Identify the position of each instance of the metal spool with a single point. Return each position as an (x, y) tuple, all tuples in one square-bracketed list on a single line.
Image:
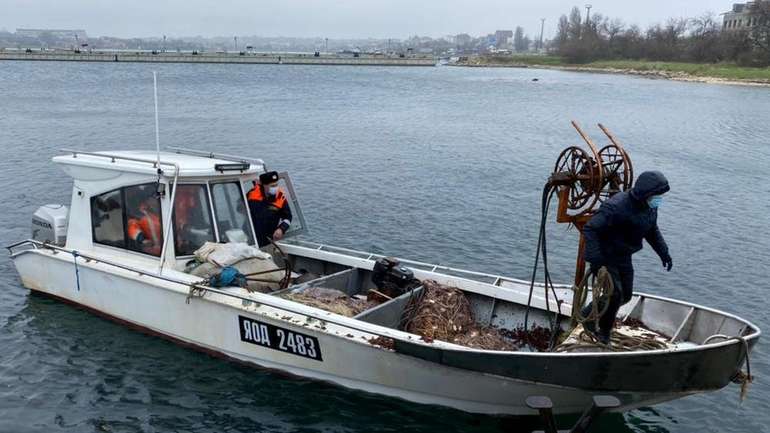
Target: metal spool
[(616, 169), (581, 175)]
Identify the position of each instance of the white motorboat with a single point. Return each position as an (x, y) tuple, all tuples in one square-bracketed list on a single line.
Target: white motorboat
[(82, 255)]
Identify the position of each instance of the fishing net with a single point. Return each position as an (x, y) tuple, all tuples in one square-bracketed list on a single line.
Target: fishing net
[(330, 300), (444, 313), (484, 337), (438, 312)]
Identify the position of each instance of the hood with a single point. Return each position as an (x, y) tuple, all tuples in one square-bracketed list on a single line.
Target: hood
[(648, 184)]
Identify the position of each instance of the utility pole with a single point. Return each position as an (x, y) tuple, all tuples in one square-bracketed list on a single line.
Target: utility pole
[(542, 26), (163, 48), (235, 38), (588, 13), (388, 45), (326, 45)]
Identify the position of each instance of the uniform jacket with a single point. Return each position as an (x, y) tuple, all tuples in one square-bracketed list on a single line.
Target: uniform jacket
[(268, 214), (616, 231)]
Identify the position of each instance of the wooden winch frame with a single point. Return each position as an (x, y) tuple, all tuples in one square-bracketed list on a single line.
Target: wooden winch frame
[(585, 180)]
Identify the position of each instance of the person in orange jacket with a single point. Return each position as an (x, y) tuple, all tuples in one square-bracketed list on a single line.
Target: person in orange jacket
[(269, 208), (145, 229)]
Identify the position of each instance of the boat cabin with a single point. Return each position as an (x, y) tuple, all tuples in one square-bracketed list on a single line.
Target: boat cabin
[(161, 207)]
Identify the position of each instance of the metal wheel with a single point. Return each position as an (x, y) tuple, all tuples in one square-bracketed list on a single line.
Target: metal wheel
[(616, 168), (287, 268), (585, 178)]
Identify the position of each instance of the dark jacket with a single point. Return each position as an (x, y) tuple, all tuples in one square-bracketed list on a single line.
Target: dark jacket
[(616, 231), (268, 214)]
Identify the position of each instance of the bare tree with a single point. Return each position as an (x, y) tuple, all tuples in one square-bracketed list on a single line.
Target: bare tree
[(700, 39), (575, 24), (613, 28), (562, 31), (704, 39), (760, 31), (518, 40)]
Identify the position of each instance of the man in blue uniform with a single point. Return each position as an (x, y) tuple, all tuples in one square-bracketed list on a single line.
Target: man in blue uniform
[(615, 233)]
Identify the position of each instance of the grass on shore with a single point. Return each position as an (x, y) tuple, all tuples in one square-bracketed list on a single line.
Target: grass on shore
[(727, 71)]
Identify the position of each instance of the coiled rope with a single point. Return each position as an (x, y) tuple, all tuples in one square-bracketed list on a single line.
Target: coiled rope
[(602, 290)]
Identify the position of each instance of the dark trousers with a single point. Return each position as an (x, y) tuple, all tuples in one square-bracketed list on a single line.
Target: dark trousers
[(622, 273)]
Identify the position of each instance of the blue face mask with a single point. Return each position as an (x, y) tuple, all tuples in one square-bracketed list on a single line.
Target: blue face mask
[(655, 201)]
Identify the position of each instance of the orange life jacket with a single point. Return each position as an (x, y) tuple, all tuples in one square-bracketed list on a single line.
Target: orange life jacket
[(256, 195), (150, 226), (186, 200)]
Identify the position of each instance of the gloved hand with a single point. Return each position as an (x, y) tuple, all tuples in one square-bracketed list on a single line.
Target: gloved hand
[(668, 263)]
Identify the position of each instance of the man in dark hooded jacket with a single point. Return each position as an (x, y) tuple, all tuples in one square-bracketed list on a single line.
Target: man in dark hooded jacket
[(615, 233)]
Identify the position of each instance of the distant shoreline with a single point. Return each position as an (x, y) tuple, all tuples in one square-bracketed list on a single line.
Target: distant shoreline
[(217, 57), (660, 70)]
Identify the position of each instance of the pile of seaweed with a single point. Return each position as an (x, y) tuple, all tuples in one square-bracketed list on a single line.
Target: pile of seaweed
[(330, 300), (442, 312), (538, 337)]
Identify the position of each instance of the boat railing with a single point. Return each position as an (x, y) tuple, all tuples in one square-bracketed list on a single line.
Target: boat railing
[(222, 156), (482, 277), (115, 157), (349, 323)]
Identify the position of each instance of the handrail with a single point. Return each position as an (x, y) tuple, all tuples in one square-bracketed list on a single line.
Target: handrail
[(433, 267), (114, 157), (212, 155)]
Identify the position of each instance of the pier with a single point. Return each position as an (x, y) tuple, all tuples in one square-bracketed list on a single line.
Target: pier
[(217, 57)]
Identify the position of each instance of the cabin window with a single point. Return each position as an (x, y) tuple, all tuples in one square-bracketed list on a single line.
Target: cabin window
[(107, 222), (230, 213), (192, 219), (129, 218)]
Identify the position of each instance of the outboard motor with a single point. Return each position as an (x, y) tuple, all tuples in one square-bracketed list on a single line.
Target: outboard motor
[(49, 224), (391, 278)]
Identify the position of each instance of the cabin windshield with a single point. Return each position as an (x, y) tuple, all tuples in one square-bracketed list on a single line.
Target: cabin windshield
[(192, 219), (231, 213), (209, 213)]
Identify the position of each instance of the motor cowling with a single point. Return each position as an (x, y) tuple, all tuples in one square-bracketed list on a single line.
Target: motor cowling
[(391, 278), (49, 224)]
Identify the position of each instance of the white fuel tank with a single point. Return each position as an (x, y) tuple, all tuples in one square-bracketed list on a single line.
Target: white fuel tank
[(49, 224)]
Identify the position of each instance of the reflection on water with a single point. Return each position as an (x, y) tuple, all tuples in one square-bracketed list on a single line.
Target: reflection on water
[(442, 165)]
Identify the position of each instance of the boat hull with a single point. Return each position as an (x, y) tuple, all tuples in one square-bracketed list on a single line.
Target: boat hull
[(213, 324)]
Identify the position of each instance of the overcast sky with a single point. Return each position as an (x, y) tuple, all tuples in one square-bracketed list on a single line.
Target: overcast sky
[(325, 18)]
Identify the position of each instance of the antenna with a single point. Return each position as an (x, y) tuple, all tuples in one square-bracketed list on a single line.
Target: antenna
[(157, 131)]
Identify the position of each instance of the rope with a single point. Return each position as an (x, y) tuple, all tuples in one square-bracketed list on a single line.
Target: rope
[(618, 343), (740, 378), (75, 256), (548, 192), (602, 287), (196, 290)]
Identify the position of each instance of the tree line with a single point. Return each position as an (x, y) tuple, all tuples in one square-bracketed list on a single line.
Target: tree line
[(700, 40)]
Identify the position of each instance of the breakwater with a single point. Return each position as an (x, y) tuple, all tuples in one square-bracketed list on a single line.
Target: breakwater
[(219, 57)]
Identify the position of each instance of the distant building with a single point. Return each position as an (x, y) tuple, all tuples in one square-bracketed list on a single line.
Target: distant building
[(502, 37), (58, 33), (743, 16)]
